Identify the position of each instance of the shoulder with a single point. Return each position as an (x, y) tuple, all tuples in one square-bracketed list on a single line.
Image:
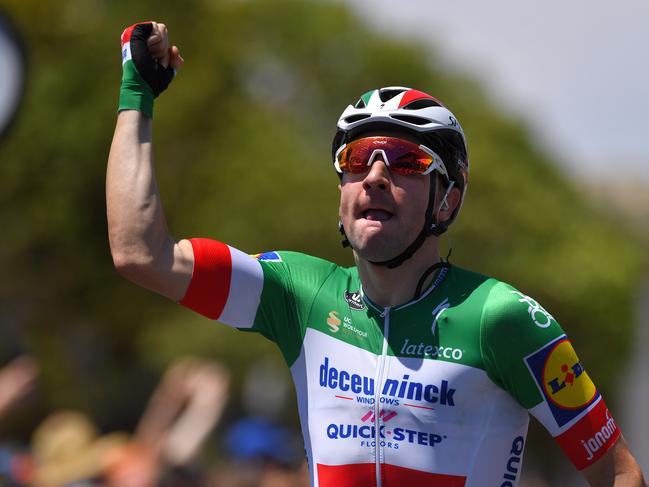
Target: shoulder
[(514, 325), (300, 267), (291, 258), (471, 289), (501, 308), (507, 304)]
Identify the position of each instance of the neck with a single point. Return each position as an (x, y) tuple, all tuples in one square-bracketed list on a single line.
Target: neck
[(391, 287)]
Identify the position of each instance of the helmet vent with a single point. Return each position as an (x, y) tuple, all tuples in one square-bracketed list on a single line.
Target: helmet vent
[(421, 103), (356, 118), (411, 119), (387, 94), (360, 103)]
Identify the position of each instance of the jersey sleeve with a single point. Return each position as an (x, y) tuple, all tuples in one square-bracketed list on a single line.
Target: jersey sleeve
[(268, 293), (527, 353)]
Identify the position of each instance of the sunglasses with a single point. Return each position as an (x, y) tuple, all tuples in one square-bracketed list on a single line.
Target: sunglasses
[(401, 156)]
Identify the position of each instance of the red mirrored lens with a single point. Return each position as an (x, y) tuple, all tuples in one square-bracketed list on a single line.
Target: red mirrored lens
[(401, 156)]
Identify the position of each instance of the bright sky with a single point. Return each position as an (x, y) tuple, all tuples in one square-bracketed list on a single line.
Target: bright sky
[(577, 71)]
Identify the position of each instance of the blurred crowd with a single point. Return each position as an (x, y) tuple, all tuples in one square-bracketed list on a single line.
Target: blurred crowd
[(68, 449)]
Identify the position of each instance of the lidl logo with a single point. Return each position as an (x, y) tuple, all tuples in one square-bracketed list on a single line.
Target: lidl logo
[(562, 380), (566, 382), (268, 257), (333, 321)]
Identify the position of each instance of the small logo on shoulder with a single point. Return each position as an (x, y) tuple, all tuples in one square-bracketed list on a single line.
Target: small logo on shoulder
[(268, 257), (354, 300), (540, 316)]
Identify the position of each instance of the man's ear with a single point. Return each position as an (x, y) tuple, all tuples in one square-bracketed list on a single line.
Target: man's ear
[(448, 206)]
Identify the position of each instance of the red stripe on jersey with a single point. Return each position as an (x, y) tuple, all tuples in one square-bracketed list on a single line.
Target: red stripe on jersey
[(412, 95), (210, 285), (346, 475), (590, 437), (353, 475), (126, 35)]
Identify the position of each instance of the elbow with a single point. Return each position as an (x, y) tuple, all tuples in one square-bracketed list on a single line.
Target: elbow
[(131, 265), (131, 257)]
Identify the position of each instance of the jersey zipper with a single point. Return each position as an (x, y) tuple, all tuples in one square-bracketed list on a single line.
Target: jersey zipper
[(377, 395)]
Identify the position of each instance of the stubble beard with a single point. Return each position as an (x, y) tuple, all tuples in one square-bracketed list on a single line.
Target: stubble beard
[(375, 245)]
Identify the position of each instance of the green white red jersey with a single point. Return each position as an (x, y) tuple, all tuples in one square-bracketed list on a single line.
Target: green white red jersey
[(436, 391)]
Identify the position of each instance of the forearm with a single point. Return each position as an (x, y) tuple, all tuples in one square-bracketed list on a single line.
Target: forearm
[(137, 228), (621, 479), (183, 409), (207, 393), (617, 468), (628, 474), (629, 479)]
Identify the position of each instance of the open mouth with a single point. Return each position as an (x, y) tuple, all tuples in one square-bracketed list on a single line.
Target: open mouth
[(376, 214)]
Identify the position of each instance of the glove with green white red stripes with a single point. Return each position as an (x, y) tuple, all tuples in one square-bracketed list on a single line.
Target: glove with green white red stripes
[(143, 76)]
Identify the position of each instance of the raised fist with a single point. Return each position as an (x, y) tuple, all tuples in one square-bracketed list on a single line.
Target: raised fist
[(146, 46), (158, 43)]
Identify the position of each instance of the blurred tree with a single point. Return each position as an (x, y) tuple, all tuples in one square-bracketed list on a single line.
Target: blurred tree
[(243, 147)]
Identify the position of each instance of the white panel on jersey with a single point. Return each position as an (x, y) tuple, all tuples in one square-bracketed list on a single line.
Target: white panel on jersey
[(300, 379), (246, 284), (462, 424)]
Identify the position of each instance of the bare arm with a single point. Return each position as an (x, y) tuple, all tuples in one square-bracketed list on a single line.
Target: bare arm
[(184, 408), (17, 379), (617, 468), (140, 243)]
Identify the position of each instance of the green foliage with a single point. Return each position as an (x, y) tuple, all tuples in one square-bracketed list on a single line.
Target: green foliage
[(243, 148)]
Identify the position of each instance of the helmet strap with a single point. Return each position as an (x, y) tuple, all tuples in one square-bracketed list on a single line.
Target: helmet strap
[(345, 242)]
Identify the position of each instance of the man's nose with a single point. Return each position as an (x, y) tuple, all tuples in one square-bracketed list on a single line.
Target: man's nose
[(378, 176)]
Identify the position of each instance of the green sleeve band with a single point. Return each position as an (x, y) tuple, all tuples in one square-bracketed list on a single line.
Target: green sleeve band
[(135, 93)]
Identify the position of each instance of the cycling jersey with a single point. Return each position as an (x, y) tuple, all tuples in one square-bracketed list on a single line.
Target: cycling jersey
[(433, 392)]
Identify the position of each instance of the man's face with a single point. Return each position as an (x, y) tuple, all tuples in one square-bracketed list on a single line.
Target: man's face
[(382, 212)]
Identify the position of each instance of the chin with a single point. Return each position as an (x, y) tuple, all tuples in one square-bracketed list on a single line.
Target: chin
[(375, 241), (374, 249)]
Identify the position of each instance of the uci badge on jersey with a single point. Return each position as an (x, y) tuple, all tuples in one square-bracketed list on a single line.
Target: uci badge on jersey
[(268, 257), (562, 380)]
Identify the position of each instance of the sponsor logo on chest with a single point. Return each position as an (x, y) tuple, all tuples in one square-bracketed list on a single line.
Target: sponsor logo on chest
[(420, 349), (393, 391), (335, 323), (389, 435), (354, 300)]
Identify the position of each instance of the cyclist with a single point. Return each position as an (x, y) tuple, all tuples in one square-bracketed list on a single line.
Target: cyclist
[(408, 370)]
